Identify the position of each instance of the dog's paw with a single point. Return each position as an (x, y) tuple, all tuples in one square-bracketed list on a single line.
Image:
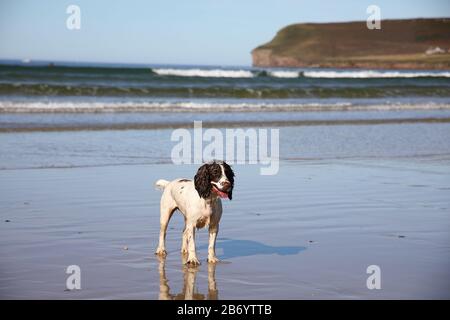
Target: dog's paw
[(161, 252), (213, 259), (193, 262)]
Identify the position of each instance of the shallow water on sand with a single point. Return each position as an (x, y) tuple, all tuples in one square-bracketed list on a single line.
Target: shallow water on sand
[(309, 232), (66, 149)]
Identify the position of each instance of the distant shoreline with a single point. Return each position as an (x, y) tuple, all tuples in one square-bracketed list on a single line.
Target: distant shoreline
[(360, 65)]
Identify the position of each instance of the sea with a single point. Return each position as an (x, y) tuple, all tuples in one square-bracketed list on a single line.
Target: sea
[(73, 114), (40, 94), (72, 88)]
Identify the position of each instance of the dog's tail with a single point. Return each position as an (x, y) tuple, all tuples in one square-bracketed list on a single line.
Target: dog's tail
[(161, 184)]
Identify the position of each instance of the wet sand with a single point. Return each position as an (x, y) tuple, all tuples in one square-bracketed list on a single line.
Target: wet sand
[(309, 232), (374, 115)]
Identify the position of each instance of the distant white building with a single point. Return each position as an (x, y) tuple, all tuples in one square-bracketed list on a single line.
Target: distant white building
[(435, 50)]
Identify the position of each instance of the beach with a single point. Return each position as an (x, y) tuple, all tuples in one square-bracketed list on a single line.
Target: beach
[(362, 182), (374, 195), (299, 149)]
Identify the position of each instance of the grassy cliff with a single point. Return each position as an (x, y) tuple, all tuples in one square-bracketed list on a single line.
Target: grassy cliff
[(401, 44)]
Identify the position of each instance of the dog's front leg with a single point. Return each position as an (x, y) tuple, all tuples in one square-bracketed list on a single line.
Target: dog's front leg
[(184, 242), (190, 238), (213, 230)]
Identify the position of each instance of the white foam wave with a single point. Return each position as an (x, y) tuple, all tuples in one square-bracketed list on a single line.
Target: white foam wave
[(189, 106), (374, 74), (284, 74), (357, 74), (210, 73)]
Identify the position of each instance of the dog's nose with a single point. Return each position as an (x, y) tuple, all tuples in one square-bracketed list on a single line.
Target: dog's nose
[(226, 185)]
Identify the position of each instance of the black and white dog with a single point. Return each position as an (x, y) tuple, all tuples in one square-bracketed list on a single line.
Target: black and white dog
[(199, 202)]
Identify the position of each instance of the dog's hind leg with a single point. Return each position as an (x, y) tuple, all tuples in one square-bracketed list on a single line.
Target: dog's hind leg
[(168, 206)]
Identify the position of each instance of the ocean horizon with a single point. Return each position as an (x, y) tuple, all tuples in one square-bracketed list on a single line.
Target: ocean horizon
[(30, 87)]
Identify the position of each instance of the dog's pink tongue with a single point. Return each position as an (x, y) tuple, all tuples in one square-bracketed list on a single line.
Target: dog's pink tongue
[(221, 194)]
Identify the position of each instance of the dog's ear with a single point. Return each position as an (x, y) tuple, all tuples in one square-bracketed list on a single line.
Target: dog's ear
[(202, 181), (230, 176)]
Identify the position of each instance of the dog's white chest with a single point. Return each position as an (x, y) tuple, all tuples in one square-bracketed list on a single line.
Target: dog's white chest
[(205, 214)]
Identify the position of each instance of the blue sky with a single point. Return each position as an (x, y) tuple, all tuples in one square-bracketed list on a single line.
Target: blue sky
[(205, 32)]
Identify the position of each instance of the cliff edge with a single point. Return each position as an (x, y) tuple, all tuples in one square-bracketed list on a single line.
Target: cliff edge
[(400, 44)]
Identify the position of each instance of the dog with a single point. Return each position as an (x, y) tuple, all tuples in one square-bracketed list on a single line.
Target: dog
[(200, 203)]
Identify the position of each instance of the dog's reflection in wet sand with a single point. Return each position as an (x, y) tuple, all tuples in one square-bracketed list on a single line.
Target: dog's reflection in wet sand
[(189, 291)]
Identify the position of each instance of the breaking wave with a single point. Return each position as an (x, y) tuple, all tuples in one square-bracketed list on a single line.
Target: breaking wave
[(290, 74), (205, 73), (366, 74), (221, 91), (194, 106)]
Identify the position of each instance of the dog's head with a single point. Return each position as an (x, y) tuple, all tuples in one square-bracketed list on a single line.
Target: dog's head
[(217, 177)]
